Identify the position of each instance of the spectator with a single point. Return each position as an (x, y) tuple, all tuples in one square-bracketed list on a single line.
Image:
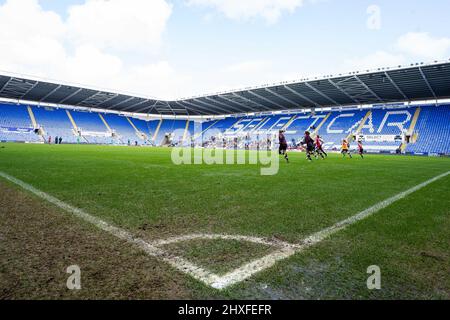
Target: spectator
[(56, 140), (60, 140), (49, 139)]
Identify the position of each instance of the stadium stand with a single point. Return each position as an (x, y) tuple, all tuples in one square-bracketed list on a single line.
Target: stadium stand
[(16, 124), (122, 128), (55, 123), (339, 126), (92, 128), (148, 128), (432, 131), (173, 128), (302, 122), (414, 130), (274, 123)]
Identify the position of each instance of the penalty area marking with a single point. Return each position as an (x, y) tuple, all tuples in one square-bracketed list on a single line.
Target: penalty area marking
[(284, 250)]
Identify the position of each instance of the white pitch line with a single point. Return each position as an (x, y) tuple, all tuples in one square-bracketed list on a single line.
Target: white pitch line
[(237, 275), (208, 236), (177, 262), (263, 263)]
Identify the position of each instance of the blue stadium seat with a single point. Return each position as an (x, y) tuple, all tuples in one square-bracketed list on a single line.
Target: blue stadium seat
[(339, 126), (382, 131), (16, 125), (55, 123), (92, 127), (433, 131), (122, 128)]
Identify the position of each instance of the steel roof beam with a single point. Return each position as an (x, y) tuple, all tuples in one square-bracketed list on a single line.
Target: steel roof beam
[(122, 102), (346, 94), (72, 94), (265, 99), (302, 96), (50, 93), (322, 94), (368, 89), (189, 108), (280, 96), (396, 86), (251, 101), (238, 103), (222, 104), (103, 102), (34, 86), (6, 83), (146, 107), (195, 106), (135, 105), (428, 83), (211, 106)]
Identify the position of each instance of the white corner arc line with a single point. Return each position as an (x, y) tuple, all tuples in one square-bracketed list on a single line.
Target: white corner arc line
[(208, 236), (220, 282), (261, 264)]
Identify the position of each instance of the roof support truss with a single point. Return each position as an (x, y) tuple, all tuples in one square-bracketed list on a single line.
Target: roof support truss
[(50, 93), (70, 96), (233, 99), (227, 106), (280, 96), (395, 85), (368, 89), (215, 108), (357, 90), (205, 109), (122, 102), (97, 99), (302, 96), (135, 105), (34, 86), (428, 83), (17, 88), (251, 101), (265, 99), (322, 94), (343, 91)]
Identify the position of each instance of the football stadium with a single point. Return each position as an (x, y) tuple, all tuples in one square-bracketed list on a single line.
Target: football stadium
[(327, 187)]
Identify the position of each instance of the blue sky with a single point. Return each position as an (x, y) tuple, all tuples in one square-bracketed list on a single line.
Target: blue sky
[(178, 48)]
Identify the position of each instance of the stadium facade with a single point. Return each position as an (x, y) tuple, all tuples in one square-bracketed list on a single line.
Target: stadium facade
[(394, 110)]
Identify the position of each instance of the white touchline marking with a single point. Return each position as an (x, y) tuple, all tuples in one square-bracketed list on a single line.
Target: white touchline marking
[(285, 250), (177, 262), (258, 265)]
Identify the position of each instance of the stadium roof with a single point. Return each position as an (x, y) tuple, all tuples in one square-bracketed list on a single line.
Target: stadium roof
[(384, 85)]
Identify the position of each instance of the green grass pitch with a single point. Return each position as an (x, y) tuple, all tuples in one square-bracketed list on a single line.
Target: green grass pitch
[(141, 190)]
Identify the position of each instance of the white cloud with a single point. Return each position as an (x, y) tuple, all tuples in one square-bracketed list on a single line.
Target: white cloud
[(97, 43), (90, 46), (160, 77), (90, 63), (29, 37), (408, 48), (121, 25), (423, 45), (270, 10)]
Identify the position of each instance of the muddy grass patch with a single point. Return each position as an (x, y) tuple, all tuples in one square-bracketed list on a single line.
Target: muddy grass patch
[(39, 242)]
